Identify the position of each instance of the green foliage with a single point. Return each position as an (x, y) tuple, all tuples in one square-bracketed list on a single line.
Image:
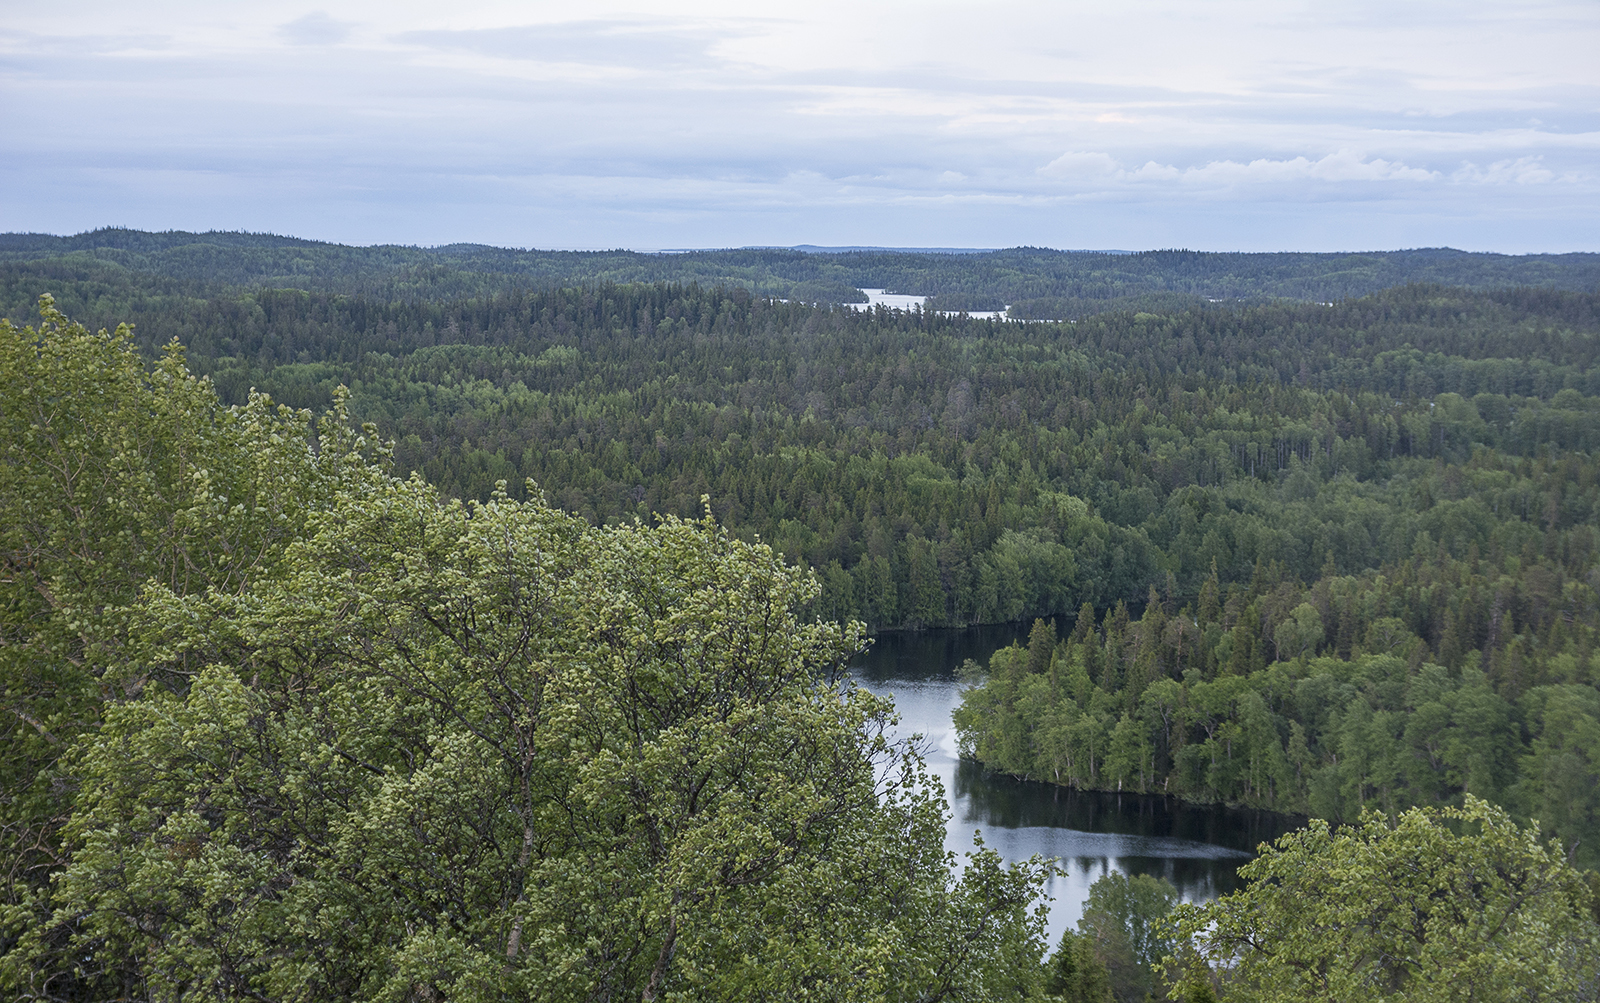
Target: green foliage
[(116, 477), (1075, 973), (1323, 558), (1123, 920), (422, 749), (965, 472), (1414, 684), (1438, 905), (1325, 736)]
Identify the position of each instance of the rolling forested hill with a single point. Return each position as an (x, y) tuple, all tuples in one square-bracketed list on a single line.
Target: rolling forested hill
[(1372, 485), (1314, 533), (128, 265)]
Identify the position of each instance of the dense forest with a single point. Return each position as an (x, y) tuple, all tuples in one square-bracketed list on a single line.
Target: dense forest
[(133, 267), (937, 471), (1314, 555), (282, 726)]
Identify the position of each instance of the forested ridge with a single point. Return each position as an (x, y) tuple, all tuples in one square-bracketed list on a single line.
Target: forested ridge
[(1321, 558), (1034, 282)]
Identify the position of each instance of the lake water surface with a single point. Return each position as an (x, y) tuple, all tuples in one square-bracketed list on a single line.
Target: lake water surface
[(900, 301), (1198, 849)]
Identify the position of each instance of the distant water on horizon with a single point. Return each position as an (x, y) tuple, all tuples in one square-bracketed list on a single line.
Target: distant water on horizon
[(900, 301)]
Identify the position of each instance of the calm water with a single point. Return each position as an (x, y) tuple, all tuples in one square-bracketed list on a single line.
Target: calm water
[(900, 301), (1198, 849)]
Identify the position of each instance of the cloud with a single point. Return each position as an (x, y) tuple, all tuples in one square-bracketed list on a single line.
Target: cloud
[(1522, 171), (821, 122), (634, 44), (316, 28), (1085, 166), (1335, 168)]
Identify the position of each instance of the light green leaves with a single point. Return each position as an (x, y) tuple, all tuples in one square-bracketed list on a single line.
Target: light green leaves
[(1442, 905)]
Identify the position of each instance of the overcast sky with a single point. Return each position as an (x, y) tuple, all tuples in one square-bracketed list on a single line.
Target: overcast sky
[(1212, 125)]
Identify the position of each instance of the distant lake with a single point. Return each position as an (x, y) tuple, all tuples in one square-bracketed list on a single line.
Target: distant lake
[(1198, 849), (898, 301)]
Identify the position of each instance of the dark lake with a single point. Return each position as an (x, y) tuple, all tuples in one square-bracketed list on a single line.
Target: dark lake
[(1197, 848)]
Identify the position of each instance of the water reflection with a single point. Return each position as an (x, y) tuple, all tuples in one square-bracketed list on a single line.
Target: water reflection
[(1141, 820), (934, 655), (1197, 848)]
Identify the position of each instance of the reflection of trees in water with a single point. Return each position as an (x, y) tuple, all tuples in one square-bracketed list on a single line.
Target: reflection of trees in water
[(928, 655), (1197, 878), (1001, 801), (995, 800), (1013, 804)]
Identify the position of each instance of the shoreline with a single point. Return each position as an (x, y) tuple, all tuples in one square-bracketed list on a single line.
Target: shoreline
[(1302, 818)]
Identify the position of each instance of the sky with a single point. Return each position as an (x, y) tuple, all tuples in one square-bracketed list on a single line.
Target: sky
[(1206, 124)]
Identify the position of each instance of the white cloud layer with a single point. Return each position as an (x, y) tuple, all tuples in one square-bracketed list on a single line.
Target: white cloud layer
[(1102, 172), (1256, 125)]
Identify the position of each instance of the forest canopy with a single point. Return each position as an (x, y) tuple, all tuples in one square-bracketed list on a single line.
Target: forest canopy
[(1036, 282), (1437, 906), (284, 726), (1326, 547)]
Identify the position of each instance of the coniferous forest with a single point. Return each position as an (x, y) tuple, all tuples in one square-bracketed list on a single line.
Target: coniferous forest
[(462, 678)]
